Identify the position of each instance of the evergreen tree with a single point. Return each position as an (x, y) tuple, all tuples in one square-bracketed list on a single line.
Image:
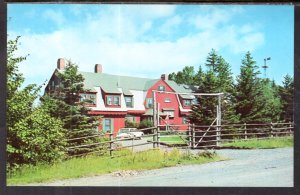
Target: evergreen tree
[(32, 135), (286, 93), (204, 112), (273, 106), (215, 80), (212, 60), (225, 85), (249, 96), (186, 76), (199, 77), (65, 104)]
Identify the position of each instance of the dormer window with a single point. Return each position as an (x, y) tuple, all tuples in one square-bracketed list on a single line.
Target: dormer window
[(88, 98), (161, 88), (187, 103), (113, 100), (129, 101)]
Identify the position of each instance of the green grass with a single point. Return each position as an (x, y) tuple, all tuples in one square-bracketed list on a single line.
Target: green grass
[(172, 140), (97, 165), (279, 142)]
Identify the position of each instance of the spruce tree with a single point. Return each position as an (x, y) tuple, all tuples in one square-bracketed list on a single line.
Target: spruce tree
[(216, 80), (250, 102), (273, 106), (226, 85), (204, 112), (65, 104), (212, 60), (286, 93)]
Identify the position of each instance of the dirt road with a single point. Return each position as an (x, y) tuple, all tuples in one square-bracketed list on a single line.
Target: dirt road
[(259, 168)]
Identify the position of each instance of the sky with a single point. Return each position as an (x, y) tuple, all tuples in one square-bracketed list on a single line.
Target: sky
[(150, 40)]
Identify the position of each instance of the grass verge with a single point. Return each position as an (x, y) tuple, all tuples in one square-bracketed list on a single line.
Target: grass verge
[(97, 165), (172, 140), (279, 142)]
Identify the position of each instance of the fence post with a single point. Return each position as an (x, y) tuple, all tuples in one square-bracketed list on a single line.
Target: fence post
[(193, 136), (245, 128), (290, 129), (190, 135), (158, 135), (271, 129), (154, 136), (110, 143)]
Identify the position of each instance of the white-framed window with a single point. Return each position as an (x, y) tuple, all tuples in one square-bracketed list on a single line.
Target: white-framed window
[(107, 125), (187, 102), (129, 101), (167, 100), (88, 98), (113, 100), (93, 98), (185, 120), (130, 118), (161, 88), (116, 100), (170, 113), (149, 103), (195, 101)]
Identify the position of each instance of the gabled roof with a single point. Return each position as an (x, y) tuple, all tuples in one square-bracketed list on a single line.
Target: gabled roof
[(182, 88), (110, 83)]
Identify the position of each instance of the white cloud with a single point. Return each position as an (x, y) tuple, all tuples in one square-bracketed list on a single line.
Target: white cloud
[(171, 24), (212, 17), (112, 37), (55, 16)]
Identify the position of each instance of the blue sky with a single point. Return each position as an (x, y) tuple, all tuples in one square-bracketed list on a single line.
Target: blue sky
[(149, 40)]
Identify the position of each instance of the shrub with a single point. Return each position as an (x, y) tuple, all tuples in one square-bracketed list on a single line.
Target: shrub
[(130, 124), (36, 138), (146, 124)]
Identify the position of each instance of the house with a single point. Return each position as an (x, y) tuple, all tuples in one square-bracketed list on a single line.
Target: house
[(118, 98)]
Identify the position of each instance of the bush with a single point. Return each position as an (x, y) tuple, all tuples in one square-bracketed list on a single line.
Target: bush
[(35, 139), (145, 124), (130, 124)]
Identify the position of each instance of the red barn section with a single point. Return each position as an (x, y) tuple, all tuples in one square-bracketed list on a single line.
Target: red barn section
[(168, 104)]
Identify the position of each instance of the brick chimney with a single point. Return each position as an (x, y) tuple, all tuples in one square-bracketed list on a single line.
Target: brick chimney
[(61, 63), (164, 77), (98, 68)]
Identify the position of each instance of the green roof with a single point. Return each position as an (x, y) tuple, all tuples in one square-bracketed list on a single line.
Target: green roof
[(181, 88), (111, 83)]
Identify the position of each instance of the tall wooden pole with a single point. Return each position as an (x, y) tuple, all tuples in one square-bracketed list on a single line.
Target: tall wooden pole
[(219, 117), (154, 109), (157, 113)]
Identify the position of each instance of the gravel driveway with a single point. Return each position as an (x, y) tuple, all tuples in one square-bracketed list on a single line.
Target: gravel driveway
[(251, 168)]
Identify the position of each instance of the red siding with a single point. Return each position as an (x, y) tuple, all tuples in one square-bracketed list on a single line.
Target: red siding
[(174, 104), (118, 122)]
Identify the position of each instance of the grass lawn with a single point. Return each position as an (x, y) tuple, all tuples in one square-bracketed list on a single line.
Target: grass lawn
[(173, 139), (97, 165), (279, 142)]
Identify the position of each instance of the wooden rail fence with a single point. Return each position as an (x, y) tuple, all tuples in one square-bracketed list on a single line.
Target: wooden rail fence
[(193, 136)]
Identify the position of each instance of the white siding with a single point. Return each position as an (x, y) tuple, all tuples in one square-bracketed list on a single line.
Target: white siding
[(138, 101)]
